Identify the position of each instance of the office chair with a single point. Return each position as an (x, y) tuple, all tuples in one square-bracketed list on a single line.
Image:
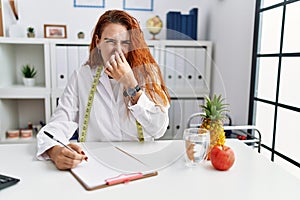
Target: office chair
[(249, 134)]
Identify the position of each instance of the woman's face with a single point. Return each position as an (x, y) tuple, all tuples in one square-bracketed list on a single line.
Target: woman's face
[(115, 37)]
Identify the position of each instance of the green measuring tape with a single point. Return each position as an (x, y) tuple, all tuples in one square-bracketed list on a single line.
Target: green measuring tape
[(140, 131), (89, 106)]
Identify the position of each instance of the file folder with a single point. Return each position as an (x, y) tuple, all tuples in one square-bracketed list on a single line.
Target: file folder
[(109, 166)]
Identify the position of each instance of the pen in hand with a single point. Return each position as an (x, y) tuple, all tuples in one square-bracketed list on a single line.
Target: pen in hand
[(53, 138)]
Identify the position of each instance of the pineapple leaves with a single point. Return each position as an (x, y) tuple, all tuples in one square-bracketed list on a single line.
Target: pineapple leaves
[(215, 108)]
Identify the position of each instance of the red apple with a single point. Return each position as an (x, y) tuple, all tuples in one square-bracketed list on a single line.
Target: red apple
[(222, 157)]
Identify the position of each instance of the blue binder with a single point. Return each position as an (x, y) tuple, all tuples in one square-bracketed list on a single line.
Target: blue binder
[(182, 27)]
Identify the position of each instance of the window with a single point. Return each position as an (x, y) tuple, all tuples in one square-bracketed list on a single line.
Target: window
[(275, 93)]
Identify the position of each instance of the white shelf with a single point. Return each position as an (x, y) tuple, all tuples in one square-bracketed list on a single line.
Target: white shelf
[(18, 140), (192, 94), (24, 92), (9, 40)]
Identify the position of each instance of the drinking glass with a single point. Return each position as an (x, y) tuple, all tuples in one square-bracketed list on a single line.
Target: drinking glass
[(197, 141)]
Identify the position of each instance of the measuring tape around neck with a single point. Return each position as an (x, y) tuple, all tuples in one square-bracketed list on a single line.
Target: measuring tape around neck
[(89, 104), (89, 107)]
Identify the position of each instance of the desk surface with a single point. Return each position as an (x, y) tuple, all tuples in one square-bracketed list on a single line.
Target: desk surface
[(251, 177)]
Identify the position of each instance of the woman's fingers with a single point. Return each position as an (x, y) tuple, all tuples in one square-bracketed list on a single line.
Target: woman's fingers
[(112, 61), (79, 151), (122, 56), (118, 58), (108, 69)]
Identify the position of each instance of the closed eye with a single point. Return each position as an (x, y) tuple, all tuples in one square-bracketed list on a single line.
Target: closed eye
[(126, 42), (109, 40)]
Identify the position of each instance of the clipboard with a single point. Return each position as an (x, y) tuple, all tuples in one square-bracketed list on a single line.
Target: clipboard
[(102, 169)]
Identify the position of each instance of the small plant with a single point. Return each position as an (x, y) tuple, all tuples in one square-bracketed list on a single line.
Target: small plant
[(28, 71), (30, 32), (80, 35), (30, 29)]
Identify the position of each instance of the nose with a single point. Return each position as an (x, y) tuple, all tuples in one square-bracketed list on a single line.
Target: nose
[(118, 47)]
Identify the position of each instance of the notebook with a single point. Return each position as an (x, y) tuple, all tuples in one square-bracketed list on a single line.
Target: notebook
[(108, 165)]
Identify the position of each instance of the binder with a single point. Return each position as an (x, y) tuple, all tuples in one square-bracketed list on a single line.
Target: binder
[(200, 62), (61, 66), (73, 61), (83, 52), (178, 121), (170, 25), (170, 130), (194, 23), (170, 58), (179, 68), (191, 68), (177, 31), (173, 25), (108, 166), (183, 29)]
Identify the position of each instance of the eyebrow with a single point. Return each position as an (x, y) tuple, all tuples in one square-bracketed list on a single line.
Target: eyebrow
[(113, 40)]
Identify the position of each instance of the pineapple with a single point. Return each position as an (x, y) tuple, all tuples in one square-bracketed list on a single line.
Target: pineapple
[(214, 109)]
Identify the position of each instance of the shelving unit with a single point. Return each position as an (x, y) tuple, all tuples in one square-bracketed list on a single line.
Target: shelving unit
[(20, 104), (186, 67)]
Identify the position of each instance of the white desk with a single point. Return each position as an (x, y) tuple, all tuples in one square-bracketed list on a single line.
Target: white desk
[(251, 177)]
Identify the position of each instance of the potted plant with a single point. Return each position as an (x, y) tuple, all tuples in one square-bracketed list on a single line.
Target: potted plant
[(30, 32), (29, 74), (80, 35)]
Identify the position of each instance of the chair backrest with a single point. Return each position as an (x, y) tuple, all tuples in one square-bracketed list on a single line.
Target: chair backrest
[(241, 132), (195, 120)]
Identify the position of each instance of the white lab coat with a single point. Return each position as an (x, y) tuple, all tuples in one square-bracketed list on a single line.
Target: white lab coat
[(110, 119)]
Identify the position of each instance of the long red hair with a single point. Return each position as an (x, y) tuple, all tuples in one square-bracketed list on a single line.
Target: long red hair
[(145, 68)]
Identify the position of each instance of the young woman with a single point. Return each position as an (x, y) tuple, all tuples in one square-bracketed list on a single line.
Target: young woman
[(119, 95)]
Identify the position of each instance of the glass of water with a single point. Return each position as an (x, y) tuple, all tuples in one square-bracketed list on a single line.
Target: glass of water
[(197, 141)]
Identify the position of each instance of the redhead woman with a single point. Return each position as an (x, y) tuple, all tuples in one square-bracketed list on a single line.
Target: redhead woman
[(118, 95)]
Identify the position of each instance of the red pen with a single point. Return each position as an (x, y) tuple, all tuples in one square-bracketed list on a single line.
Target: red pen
[(123, 178)]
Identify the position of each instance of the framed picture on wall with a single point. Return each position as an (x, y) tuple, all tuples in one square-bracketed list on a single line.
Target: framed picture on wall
[(142, 5), (89, 3), (55, 31)]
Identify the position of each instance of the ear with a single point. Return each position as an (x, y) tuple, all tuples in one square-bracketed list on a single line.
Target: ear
[(97, 41)]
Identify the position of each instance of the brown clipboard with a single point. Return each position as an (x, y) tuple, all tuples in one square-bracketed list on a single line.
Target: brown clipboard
[(107, 185), (104, 171)]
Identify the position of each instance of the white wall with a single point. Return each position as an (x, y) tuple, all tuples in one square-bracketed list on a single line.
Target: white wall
[(231, 25), (36, 13), (228, 23)]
